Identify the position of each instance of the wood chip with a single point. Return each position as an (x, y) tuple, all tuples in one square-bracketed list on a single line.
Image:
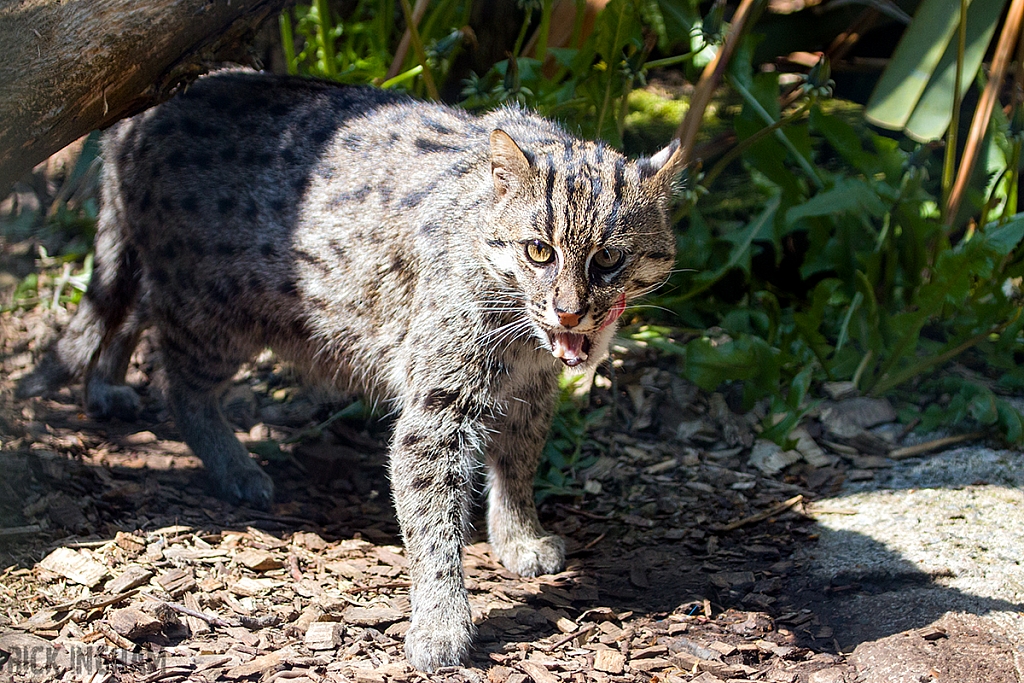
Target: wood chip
[(133, 623), (133, 577), (260, 665), (324, 635), (372, 616), (258, 560), (649, 664), (74, 565), (609, 661), (177, 581), (538, 672), (196, 625)]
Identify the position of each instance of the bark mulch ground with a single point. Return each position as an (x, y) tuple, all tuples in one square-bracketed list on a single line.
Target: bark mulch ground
[(117, 565)]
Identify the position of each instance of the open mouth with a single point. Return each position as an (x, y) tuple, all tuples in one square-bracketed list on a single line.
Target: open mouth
[(574, 349), (571, 349)]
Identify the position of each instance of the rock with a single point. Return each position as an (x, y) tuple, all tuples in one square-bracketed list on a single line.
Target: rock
[(831, 675)]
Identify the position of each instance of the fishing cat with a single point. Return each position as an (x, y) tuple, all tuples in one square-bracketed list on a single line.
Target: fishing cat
[(451, 264)]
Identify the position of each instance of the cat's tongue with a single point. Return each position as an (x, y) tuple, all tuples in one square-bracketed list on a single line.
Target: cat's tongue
[(615, 311), (568, 348)]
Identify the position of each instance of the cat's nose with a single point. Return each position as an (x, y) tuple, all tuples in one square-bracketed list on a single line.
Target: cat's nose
[(567, 319)]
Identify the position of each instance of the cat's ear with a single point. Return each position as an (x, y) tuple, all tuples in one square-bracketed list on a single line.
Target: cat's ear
[(662, 169), (509, 165)]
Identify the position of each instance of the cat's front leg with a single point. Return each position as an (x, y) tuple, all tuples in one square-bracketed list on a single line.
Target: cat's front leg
[(432, 466), (517, 440)]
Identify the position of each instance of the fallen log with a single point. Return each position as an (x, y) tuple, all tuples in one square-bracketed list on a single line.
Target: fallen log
[(67, 68)]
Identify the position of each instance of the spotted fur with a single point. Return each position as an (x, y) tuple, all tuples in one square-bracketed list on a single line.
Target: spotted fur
[(384, 244)]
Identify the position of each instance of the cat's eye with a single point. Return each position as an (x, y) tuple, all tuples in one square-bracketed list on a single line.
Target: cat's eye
[(540, 253), (608, 259)]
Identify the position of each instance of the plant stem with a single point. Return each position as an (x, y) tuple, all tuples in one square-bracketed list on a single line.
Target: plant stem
[(949, 160), (402, 77), (417, 46), (751, 101), (541, 51), (288, 41), (323, 36), (743, 146), (522, 33), (885, 383)]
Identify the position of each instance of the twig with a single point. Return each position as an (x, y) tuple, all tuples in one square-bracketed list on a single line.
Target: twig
[(918, 449), (7, 532), (711, 77), (114, 637), (761, 516), (212, 621), (594, 542), (390, 584), (983, 114), (584, 513), (403, 47)]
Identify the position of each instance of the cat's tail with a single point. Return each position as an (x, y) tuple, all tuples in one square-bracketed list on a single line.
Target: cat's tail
[(103, 332)]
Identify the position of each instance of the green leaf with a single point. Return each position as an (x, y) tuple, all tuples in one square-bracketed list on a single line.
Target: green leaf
[(914, 62), (852, 195), (1010, 421), (934, 110), (1003, 239)]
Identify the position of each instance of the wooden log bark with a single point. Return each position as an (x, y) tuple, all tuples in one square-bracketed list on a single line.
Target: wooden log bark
[(68, 67)]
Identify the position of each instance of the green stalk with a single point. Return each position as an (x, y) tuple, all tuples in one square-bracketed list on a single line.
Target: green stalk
[(750, 100), (421, 55), (541, 51), (949, 159), (522, 33), (671, 61), (742, 147), (288, 41), (1013, 181), (611, 76), (885, 383), (323, 13), (402, 77)]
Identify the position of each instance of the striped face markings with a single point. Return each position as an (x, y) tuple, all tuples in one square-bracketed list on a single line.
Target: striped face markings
[(574, 225)]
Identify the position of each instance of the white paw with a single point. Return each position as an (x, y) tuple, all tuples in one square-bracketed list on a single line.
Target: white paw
[(533, 556), (430, 645)]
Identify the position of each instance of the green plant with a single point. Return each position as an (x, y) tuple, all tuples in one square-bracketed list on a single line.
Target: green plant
[(847, 273), (565, 453)]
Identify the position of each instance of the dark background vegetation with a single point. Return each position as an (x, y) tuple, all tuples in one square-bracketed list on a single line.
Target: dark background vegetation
[(815, 248)]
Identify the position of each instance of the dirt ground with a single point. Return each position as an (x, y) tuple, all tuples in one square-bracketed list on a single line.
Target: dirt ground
[(689, 550)]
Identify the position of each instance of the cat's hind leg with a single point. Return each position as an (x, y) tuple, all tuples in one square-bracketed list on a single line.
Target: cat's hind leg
[(102, 335), (194, 386)]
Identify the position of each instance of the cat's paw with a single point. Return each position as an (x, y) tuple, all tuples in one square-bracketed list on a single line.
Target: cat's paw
[(533, 556), (106, 401), (245, 482), (49, 375), (432, 644)]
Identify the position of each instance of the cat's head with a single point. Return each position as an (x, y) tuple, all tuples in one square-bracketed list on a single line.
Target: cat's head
[(578, 231)]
